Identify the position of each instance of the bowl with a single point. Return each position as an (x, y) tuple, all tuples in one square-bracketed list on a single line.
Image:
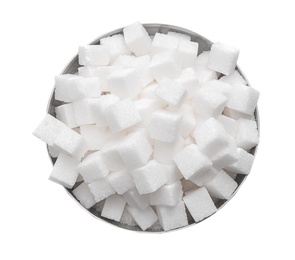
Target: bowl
[(152, 29)]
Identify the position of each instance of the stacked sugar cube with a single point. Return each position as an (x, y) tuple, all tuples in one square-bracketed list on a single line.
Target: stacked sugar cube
[(150, 129)]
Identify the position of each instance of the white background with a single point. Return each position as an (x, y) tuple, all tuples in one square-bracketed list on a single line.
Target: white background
[(40, 221)]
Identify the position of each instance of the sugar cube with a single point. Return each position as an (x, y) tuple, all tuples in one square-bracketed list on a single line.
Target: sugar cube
[(187, 53), (223, 58), (165, 64), (243, 99), (247, 134), (204, 177), (208, 103), (244, 163), (95, 137), (116, 45), (113, 207), (167, 195), (170, 91), (234, 78), (144, 218), (191, 162), (221, 186), (150, 177), (172, 217), (211, 136), (204, 74), (137, 39), (146, 107), (173, 174), (122, 115), (65, 114), (83, 111), (101, 189), (94, 55), (163, 42), (135, 150), (93, 167), (179, 36), (65, 171), (121, 181), (230, 125), (83, 194), (165, 126), (188, 78), (199, 203)]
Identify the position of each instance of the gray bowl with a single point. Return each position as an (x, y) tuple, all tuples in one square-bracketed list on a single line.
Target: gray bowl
[(72, 68)]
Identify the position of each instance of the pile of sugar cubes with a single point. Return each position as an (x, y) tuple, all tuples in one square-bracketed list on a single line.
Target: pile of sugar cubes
[(151, 131)]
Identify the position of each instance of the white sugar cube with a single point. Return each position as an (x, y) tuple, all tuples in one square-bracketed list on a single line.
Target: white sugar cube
[(167, 195), (136, 200), (99, 107), (204, 74), (60, 136), (95, 137), (135, 150), (204, 177), (150, 177), (226, 156), (165, 64), (223, 58), (83, 194), (137, 39), (144, 218), (65, 114), (244, 163), (230, 125), (66, 87), (163, 42), (93, 167), (179, 36), (94, 55), (124, 83), (65, 171), (234, 78), (113, 207), (189, 140), (188, 121), (243, 99), (124, 60), (187, 53), (247, 134), (199, 204), (208, 103), (165, 126), (170, 91), (122, 115), (121, 181), (172, 217), (188, 78), (99, 72), (142, 68), (211, 136), (111, 155), (164, 152), (221, 186), (146, 107), (83, 111), (173, 174), (101, 189), (191, 162), (117, 46)]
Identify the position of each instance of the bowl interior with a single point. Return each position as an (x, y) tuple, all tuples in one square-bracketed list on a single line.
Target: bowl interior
[(152, 29)]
